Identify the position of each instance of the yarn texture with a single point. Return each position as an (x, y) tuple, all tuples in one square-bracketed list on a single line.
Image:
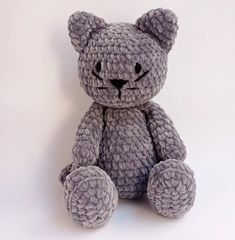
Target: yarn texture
[(126, 145)]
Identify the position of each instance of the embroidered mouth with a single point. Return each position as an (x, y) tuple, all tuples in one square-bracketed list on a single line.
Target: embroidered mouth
[(102, 87), (138, 79), (119, 89)]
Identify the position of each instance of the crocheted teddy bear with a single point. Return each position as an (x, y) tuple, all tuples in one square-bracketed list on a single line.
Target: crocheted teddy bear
[(126, 145)]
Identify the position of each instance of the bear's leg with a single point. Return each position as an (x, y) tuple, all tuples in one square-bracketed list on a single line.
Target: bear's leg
[(171, 188), (90, 196)]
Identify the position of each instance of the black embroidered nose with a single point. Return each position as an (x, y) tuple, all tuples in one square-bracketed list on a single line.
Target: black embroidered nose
[(118, 83)]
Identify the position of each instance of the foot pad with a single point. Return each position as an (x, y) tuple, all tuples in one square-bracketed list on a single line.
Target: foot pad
[(171, 188), (90, 196)]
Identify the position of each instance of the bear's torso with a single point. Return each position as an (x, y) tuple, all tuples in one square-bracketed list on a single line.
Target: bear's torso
[(126, 150)]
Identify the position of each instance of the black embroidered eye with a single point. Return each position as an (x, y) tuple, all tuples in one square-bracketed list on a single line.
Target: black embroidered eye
[(98, 66), (137, 68)]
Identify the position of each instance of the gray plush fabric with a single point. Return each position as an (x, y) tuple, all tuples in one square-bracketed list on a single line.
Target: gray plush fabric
[(90, 196), (171, 188), (125, 145)]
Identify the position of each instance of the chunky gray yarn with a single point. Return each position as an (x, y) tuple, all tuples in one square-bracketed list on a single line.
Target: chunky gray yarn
[(171, 188), (90, 196), (125, 146)]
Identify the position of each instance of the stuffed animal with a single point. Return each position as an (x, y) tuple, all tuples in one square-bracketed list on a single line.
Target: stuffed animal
[(126, 145)]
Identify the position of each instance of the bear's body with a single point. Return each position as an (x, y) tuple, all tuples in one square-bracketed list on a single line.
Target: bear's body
[(126, 150), (125, 145)]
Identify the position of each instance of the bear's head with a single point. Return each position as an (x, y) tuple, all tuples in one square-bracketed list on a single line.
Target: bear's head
[(123, 65)]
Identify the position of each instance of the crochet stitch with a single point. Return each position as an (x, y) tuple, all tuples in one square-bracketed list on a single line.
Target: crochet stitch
[(125, 146)]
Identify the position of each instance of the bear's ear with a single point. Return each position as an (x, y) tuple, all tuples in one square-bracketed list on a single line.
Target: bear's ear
[(81, 26), (160, 24)]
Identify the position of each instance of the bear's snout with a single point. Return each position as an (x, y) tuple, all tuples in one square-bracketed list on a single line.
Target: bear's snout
[(118, 83)]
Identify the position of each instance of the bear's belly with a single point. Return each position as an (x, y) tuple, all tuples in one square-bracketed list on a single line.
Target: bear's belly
[(126, 151)]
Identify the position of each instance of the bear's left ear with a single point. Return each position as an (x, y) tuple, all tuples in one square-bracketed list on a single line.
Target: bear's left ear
[(81, 26), (160, 24)]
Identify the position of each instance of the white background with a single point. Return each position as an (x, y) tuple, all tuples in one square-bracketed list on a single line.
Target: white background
[(41, 104)]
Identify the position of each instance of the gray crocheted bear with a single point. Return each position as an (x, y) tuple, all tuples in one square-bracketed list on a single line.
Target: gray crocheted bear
[(126, 146)]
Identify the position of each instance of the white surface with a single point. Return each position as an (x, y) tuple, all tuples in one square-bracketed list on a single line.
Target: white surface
[(41, 104)]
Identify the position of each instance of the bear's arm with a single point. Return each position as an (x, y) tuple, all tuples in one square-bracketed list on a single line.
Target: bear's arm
[(88, 136), (87, 140), (166, 139)]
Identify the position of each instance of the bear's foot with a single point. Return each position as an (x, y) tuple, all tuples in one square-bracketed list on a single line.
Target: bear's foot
[(90, 196), (171, 188)]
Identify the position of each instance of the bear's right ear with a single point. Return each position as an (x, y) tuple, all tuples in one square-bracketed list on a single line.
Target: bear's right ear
[(161, 24), (81, 25)]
